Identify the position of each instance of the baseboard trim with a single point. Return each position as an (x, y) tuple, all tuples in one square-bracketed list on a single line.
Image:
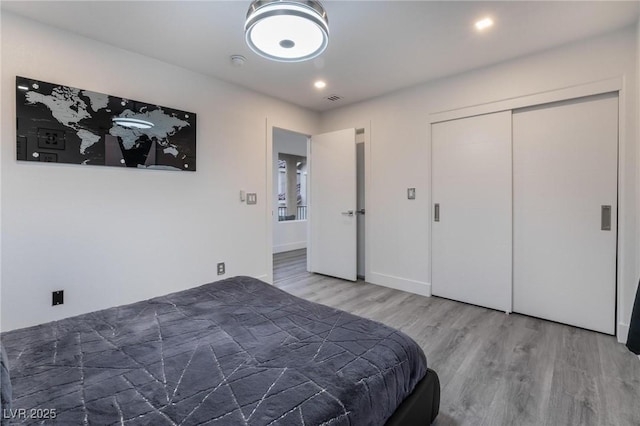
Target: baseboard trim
[(623, 332), (288, 247), (404, 284)]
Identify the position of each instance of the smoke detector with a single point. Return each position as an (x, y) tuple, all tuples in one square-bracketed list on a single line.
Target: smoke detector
[(238, 60)]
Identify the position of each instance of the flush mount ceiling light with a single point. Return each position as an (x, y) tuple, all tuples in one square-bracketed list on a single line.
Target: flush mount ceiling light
[(483, 24), (287, 30), (132, 123)]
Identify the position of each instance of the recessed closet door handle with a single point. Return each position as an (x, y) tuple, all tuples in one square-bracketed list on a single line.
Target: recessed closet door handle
[(436, 212), (348, 213), (605, 218)]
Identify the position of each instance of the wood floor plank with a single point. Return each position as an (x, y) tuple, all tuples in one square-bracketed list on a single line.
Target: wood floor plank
[(494, 369)]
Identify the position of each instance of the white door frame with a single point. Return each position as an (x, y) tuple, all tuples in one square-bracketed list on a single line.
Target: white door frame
[(268, 213), (367, 196), (616, 84)]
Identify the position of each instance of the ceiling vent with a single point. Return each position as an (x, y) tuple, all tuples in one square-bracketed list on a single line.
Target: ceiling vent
[(333, 98)]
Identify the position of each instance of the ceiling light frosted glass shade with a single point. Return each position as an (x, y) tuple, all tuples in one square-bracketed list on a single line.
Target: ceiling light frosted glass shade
[(287, 30)]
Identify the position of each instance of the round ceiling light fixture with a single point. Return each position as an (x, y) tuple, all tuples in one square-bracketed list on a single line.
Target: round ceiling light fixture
[(287, 30)]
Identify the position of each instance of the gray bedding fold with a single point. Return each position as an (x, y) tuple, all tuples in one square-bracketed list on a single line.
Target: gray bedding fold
[(234, 352)]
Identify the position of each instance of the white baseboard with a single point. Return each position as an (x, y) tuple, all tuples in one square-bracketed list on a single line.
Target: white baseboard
[(404, 284), (263, 278), (623, 332), (291, 246)]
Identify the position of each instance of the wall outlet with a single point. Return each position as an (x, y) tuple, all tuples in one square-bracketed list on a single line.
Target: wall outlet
[(252, 198), (221, 268), (57, 298), (411, 193)]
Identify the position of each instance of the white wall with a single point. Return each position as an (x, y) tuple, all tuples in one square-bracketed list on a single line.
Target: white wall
[(110, 236), (399, 230), (291, 234)]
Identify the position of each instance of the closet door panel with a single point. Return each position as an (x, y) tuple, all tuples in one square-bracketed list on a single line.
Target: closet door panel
[(565, 171), (472, 188)]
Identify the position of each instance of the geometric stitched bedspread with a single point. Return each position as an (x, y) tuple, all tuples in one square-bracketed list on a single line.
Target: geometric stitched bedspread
[(233, 352)]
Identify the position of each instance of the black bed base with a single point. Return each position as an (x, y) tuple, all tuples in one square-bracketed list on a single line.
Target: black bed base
[(422, 406)]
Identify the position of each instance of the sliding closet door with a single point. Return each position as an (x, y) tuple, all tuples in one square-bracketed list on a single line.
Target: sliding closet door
[(565, 211), (472, 190)]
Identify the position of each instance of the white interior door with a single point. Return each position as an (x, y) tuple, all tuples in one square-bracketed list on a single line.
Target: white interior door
[(565, 170), (332, 205), (472, 194)]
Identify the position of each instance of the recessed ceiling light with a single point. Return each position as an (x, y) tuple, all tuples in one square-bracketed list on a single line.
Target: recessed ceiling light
[(320, 84), (483, 24)]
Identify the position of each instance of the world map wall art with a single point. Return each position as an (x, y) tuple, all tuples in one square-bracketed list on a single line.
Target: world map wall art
[(60, 124)]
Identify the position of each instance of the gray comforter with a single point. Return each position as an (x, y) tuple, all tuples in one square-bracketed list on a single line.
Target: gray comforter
[(5, 386), (234, 352)]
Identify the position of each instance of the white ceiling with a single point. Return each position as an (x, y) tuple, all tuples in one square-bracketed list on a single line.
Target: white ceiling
[(376, 46)]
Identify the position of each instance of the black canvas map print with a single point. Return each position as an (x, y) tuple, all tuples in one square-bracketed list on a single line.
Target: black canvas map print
[(64, 124)]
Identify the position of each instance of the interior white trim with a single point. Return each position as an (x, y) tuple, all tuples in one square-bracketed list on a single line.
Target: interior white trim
[(268, 209), (561, 94), (621, 277), (367, 197), (368, 173), (309, 201), (262, 277), (404, 284), (623, 332)]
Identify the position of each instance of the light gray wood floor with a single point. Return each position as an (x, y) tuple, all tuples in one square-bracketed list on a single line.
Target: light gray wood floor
[(494, 369)]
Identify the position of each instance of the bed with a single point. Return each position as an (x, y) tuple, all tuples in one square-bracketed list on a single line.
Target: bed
[(233, 352)]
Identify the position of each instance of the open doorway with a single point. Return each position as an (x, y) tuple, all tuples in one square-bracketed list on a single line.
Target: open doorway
[(291, 163), (290, 203)]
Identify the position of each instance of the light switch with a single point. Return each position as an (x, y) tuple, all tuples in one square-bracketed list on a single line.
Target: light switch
[(411, 193), (242, 196), (252, 198)]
